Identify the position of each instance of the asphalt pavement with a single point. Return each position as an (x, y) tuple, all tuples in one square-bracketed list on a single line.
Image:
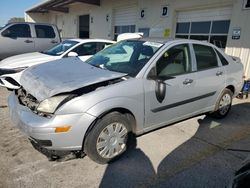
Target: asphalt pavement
[(198, 152)]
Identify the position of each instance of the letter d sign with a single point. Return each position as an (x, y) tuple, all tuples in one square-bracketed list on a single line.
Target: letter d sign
[(164, 11)]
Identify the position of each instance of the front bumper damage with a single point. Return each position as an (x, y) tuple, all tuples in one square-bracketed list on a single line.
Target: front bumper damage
[(41, 130)]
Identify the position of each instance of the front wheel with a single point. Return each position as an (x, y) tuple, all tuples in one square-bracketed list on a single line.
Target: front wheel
[(223, 105), (108, 139)]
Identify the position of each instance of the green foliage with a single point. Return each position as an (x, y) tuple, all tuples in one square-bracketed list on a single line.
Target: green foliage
[(16, 19)]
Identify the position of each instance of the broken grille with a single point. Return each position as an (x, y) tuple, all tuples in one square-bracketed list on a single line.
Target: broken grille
[(27, 99)]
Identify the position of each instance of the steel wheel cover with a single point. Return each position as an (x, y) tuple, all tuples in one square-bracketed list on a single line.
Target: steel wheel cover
[(225, 104), (112, 140)]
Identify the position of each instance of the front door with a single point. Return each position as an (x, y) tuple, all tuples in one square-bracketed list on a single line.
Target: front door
[(84, 26), (17, 39), (175, 69)]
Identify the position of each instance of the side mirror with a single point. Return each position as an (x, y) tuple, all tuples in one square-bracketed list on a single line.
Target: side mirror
[(160, 86), (160, 90), (72, 54)]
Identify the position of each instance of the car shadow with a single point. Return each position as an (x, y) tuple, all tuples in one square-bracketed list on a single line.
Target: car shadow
[(133, 168), (205, 160)]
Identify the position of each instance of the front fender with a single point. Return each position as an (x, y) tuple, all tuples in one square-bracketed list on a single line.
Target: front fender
[(134, 106)]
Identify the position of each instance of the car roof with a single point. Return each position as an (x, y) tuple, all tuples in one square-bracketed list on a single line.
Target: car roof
[(36, 23), (170, 40), (90, 40)]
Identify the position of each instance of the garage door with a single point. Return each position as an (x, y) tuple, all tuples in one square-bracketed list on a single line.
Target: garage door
[(207, 25), (125, 19), (204, 15)]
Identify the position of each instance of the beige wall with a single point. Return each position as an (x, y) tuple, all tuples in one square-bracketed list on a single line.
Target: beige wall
[(37, 17), (240, 48), (100, 28), (159, 24), (68, 23)]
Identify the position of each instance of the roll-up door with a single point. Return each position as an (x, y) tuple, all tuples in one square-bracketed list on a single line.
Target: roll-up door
[(124, 19), (125, 15), (224, 13)]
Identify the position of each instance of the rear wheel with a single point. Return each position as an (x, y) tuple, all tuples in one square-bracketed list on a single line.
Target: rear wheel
[(108, 139), (223, 105)]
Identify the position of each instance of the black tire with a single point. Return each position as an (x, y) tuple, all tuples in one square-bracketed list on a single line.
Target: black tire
[(90, 144), (219, 112)]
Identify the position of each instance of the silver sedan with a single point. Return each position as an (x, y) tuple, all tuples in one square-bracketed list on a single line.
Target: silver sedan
[(127, 89)]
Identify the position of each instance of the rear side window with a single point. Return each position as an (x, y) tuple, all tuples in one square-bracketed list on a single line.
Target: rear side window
[(18, 31), (222, 58), (86, 49), (205, 57), (44, 31), (102, 45)]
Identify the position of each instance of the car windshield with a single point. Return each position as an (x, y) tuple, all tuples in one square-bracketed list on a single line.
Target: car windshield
[(1, 28), (128, 56), (60, 48)]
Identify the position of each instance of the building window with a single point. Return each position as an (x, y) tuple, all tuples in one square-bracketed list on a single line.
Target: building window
[(215, 32), (246, 4), (145, 31), (123, 29), (200, 27), (183, 28)]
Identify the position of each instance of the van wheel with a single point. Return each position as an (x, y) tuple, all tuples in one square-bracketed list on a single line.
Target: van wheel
[(223, 105), (108, 139)]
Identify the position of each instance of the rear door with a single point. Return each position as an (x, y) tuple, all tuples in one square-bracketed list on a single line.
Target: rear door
[(210, 74), (16, 39), (46, 37)]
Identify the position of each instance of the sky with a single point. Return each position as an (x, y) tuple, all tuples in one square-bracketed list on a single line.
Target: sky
[(14, 8)]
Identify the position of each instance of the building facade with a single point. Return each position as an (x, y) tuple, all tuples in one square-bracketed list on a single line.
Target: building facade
[(225, 23)]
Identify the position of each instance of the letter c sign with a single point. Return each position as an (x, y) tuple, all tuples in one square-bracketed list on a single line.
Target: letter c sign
[(142, 13)]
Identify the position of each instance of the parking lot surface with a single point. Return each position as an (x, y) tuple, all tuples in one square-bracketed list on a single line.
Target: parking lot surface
[(199, 152)]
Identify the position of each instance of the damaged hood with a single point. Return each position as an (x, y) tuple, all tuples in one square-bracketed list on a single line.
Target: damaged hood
[(60, 76)]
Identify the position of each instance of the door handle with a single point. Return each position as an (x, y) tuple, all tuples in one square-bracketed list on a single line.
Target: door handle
[(28, 41), (219, 73), (54, 42), (187, 81)]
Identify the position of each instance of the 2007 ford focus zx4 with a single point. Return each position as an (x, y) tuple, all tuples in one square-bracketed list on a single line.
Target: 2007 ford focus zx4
[(129, 88)]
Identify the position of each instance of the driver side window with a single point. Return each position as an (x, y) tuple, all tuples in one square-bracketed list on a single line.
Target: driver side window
[(18, 31), (175, 61)]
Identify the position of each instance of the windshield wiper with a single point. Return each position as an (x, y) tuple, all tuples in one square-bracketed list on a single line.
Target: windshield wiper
[(101, 66)]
